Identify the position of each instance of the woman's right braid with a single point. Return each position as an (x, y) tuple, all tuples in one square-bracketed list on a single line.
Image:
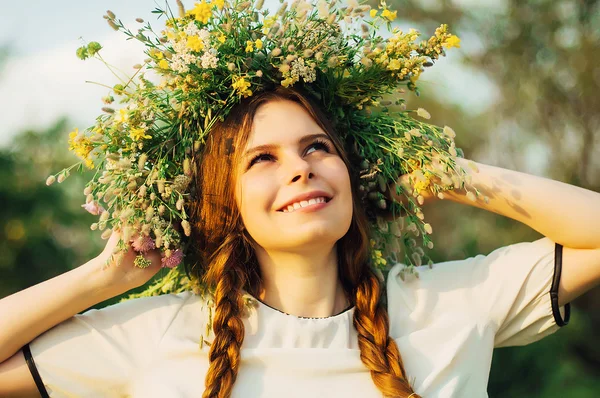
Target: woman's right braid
[(378, 351), (224, 353)]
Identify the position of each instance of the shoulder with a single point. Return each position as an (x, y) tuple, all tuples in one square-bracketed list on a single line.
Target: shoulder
[(159, 310)]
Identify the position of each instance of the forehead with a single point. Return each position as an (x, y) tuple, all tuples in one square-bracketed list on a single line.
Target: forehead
[(277, 122)]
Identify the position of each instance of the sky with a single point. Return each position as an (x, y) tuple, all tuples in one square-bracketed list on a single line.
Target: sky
[(42, 80)]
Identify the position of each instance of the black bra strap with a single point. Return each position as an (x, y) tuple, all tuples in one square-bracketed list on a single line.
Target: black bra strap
[(34, 371), (558, 251)]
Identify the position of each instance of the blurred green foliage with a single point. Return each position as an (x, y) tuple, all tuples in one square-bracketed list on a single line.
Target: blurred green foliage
[(42, 229)]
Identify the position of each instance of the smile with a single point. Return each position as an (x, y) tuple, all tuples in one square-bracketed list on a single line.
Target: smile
[(313, 204)]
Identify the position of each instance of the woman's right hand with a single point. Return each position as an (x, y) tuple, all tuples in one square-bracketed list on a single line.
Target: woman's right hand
[(124, 275)]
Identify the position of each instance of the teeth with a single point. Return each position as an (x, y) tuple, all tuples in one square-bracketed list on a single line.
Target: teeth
[(304, 203)]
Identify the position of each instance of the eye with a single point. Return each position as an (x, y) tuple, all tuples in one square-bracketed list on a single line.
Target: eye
[(319, 145), (260, 158)]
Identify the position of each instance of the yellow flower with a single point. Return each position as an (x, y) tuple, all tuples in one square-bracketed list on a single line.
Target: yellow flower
[(421, 185), (201, 11), (219, 3), (137, 134), (241, 86), (373, 13), (154, 53), (249, 46), (222, 38), (194, 43), (258, 43), (269, 21), (389, 15), (82, 146), (394, 64), (163, 64), (123, 115), (287, 82), (452, 41)]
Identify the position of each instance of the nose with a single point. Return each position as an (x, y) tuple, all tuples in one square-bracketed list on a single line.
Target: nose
[(298, 169)]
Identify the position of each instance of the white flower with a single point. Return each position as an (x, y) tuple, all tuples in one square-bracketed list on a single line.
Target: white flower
[(191, 29), (299, 69), (209, 59)]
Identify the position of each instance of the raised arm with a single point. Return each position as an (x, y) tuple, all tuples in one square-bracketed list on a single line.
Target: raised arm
[(566, 214), (28, 313)]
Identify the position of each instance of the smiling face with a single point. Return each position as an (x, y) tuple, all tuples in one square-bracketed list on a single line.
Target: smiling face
[(292, 188)]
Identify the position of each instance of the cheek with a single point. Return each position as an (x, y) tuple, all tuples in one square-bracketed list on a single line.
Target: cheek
[(253, 192)]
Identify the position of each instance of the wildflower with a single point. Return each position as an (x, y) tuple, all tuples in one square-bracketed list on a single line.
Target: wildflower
[(93, 47), (82, 146), (181, 9), (50, 180), (194, 43), (323, 9), (373, 13), (201, 11), (141, 262), (137, 134), (142, 244), (449, 132), (106, 234), (417, 259), (173, 259), (186, 167), (181, 182), (241, 86), (220, 4), (187, 230), (333, 61), (287, 82), (389, 15), (428, 228), (249, 46), (208, 60), (452, 41), (222, 38), (423, 113), (163, 64), (258, 43)]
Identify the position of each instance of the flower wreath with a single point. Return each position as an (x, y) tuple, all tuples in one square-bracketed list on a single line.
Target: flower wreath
[(210, 57)]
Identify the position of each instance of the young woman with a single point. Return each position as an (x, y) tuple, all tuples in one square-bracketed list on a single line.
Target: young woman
[(278, 220)]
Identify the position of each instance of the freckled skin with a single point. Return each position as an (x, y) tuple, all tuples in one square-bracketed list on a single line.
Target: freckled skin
[(288, 170)]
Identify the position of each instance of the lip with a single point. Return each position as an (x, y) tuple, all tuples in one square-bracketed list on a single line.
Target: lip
[(307, 196)]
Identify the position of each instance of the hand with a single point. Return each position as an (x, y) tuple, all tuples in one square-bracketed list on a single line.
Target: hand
[(121, 273)]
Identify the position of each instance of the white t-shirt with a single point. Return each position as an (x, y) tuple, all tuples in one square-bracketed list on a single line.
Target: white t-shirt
[(446, 324)]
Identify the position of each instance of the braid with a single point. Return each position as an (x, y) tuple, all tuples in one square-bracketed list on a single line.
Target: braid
[(378, 351), (224, 353)]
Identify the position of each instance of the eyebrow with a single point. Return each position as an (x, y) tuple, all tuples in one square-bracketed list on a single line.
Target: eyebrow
[(271, 147)]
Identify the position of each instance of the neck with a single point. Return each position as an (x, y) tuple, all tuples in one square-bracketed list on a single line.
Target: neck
[(302, 284)]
